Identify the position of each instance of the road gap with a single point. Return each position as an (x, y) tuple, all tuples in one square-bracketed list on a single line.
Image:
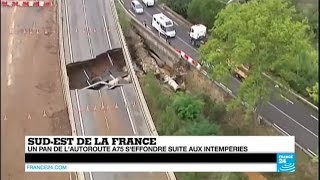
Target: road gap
[(88, 72)]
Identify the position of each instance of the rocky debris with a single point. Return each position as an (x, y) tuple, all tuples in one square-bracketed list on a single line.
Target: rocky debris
[(148, 62)]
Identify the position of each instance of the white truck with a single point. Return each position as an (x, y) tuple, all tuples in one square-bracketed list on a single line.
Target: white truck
[(198, 34), (148, 3)]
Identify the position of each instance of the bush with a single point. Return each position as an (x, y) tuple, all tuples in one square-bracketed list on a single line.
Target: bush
[(168, 122), (213, 111), (202, 127), (187, 107)]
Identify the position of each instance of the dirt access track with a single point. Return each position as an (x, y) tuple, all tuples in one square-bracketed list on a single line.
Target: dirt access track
[(32, 100)]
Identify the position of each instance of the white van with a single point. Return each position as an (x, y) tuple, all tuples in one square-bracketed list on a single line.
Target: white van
[(163, 25), (148, 3)]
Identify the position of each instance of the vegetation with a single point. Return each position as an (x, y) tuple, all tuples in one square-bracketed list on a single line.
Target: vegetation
[(187, 107), (222, 123), (165, 109), (123, 18), (204, 12), (262, 35), (298, 74), (309, 9), (182, 114), (179, 6), (314, 93)]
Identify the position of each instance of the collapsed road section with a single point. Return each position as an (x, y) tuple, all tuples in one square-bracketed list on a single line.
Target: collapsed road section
[(107, 70), (103, 100)]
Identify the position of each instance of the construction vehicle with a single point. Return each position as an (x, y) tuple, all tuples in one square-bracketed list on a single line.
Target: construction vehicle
[(240, 71), (198, 34)]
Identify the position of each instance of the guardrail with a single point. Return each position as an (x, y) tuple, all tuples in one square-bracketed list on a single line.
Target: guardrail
[(136, 83), (187, 23), (65, 79)]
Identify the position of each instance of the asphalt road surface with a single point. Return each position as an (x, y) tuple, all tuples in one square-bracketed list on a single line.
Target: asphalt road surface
[(89, 30), (32, 102), (291, 115)]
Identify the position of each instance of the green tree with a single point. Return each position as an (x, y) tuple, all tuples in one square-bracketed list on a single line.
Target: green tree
[(310, 11), (314, 93), (179, 6), (187, 107), (262, 35), (202, 127), (204, 11), (213, 110), (168, 122)]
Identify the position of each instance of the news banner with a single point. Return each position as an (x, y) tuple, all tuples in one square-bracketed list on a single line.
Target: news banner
[(160, 154)]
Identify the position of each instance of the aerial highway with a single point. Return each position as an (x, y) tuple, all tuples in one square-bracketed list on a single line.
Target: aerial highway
[(288, 114), (92, 46)]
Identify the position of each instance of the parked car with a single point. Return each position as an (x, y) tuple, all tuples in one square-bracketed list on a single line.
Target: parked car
[(136, 7)]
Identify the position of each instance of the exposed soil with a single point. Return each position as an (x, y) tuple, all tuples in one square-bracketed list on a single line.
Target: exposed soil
[(98, 68), (33, 100)]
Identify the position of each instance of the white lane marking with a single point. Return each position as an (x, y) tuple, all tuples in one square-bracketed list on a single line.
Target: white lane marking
[(127, 108), (10, 47), (68, 31), (108, 36), (110, 59), (71, 58), (187, 43), (148, 14), (87, 77), (132, 13), (107, 31), (179, 37), (314, 154), (170, 14), (293, 120), (90, 175), (125, 101), (286, 99), (79, 112), (314, 117), (102, 105), (128, 111), (281, 129), (88, 33)]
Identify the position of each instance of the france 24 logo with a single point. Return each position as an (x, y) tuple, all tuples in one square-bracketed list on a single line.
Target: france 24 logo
[(286, 162)]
